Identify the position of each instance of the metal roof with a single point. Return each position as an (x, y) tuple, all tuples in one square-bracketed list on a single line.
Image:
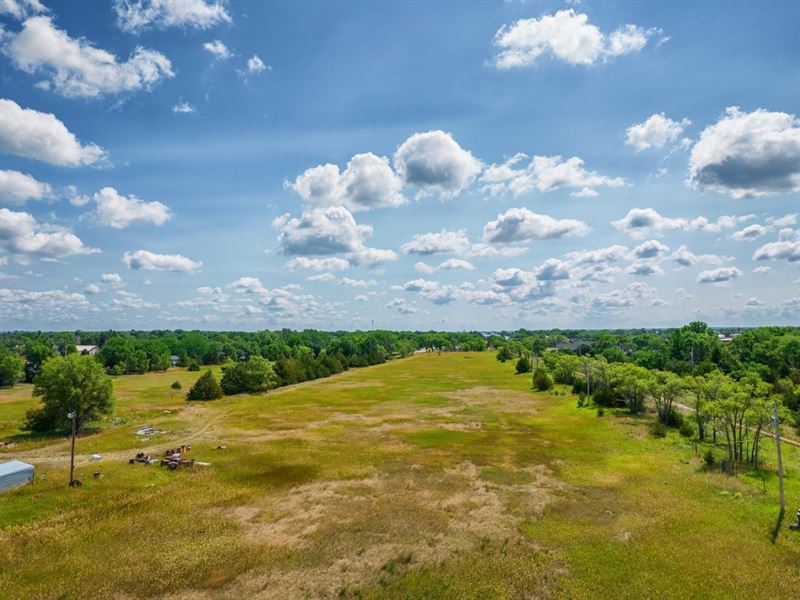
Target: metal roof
[(14, 466)]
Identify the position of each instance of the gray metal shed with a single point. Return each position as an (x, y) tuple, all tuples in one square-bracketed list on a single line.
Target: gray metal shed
[(15, 473)]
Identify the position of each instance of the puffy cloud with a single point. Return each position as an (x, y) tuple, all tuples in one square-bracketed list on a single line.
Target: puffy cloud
[(643, 269), (17, 188), (567, 36), (367, 182), (598, 256), (424, 267), (183, 108), (134, 16), (130, 300), (454, 264), (641, 221), (75, 68), (20, 9), (488, 251), (434, 243), (149, 261), (719, 275), (218, 50), (322, 277), (21, 234), (256, 65), (552, 270), (118, 211), (40, 305), (544, 174), (93, 288), (521, 224), (509, 278), (401, 306), (686, 258), (320, 231), (762, 270), (435, 163), (113, 279), (650, 249), (350, 282), (751, 232), (317, 264), (748, 154), (782, 250), (621, 298), (333, 230), (33, 134), (655, 132)]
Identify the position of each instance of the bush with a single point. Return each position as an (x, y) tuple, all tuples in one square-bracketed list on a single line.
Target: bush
[(600, 411), (686, 429), (658, 430), (504, 354), (523, 365), (193, 366), (542, 380), (205, 388), (578, 385), (176, 385), (708, 458)]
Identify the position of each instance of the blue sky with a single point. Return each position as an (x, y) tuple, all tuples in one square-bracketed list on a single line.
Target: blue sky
[(249, 165)]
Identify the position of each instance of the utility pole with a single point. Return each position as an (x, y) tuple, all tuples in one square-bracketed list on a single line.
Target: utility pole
[(72, 416), (776, 427)]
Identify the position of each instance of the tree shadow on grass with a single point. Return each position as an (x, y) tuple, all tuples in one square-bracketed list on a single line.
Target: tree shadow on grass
[(777, 529)]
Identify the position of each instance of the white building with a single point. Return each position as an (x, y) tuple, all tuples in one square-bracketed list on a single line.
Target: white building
[(15, 473), (90, 350)]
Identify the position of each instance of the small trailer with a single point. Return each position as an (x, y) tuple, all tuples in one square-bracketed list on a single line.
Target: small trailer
[(15, 473)]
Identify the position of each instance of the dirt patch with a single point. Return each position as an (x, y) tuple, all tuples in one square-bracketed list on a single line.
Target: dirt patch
[(411, 517), (507, 400), (349, 385)]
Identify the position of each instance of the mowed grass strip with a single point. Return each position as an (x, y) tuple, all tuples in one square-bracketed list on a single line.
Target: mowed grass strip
[(437, 476)]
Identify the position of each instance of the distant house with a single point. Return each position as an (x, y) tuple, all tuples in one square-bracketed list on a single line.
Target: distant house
[(174, 359), (88, 350), (14, 474)]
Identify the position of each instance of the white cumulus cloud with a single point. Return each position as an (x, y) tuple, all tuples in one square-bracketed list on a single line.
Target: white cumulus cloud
[(655, 132), (18, 188), (76, 68), (150, 261), (20, 233), (521, 224), (118, 211), (134, 16)]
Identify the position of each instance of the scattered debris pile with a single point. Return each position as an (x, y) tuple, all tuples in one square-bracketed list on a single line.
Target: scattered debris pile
[(173, 459)]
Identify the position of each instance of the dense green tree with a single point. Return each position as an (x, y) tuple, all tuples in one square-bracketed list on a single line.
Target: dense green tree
[(250, 376), (523, 365), (205, 388), (542, 381), (12, 367), (71, 383)]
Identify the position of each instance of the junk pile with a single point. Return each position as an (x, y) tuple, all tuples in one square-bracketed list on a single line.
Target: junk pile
[(173, 459)]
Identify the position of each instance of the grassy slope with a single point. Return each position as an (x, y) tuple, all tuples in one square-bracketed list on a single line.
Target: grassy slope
[(383, 482)]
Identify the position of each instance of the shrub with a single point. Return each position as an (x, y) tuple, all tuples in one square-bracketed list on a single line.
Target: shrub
[(504, 354), (523, 365), (709, 458), (176, 385), (578, 385), (658, 430), (600, 411), (686, 429), (193, 366), (542, 380), (205, 388)]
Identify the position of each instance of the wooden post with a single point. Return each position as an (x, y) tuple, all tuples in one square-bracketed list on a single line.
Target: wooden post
[(72, 415), (775, 424)]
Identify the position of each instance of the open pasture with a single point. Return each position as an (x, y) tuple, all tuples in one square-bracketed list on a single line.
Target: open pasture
[(436, 476)]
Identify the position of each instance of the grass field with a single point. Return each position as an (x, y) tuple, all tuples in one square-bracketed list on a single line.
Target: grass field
[(436, 476)]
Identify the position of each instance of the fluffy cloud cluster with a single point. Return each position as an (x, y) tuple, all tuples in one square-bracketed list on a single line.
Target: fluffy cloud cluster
[(748, 154), (684, 257), (436, 243), (118, 211), (544, 174), (640, 222), (331, 263), (134, 16), (21, 234), (149, 261), (567, 36), (33, 134), (522, 225), (781, 250), (18, 188), (75, 68), (655, 132), (367, 182), (325, 231), (218, 50)]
